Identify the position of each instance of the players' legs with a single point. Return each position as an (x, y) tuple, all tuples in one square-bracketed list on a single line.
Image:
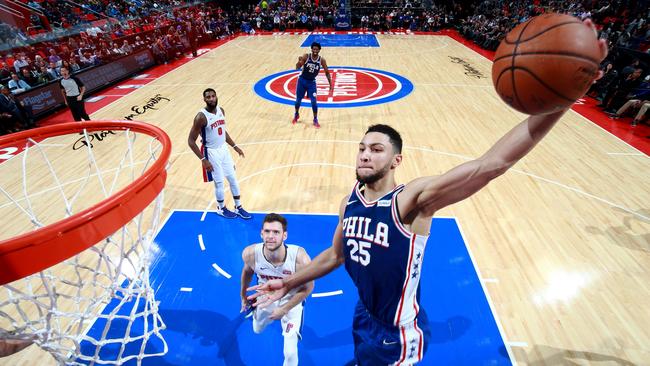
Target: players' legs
[(300, 93), (229, 171), (217, 177), (290, 350), (291, 330), (376, 343), (261, 317), (312, 92)]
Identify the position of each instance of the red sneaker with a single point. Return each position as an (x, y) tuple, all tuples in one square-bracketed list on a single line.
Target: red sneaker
[(295, 119)]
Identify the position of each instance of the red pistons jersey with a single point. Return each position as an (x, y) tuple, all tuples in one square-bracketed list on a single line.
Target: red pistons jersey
[(213, 134), (266, 271), (382, 257)]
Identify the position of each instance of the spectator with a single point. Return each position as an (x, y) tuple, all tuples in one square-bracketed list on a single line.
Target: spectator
[(74, 65), (53, 71), (54, 58), (44, 77), (16, 85), (26, 74), (4, 71), (20, 112), (126, 48), (20, 62)]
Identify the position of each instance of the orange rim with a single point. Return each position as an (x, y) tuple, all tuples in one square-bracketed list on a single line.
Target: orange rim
[(37, 250)]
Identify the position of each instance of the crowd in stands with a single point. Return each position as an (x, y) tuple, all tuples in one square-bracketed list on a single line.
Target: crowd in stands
[(111, 29), (623, 24)]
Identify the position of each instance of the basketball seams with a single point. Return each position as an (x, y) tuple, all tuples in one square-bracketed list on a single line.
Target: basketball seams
[(512, 67), (519, 40), (551, 53), (539, 80)]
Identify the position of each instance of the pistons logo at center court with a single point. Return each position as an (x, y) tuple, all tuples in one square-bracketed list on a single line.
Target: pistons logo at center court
[(351, 87)]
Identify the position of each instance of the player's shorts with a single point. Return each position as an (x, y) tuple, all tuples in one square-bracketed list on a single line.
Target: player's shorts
[(291, 323), (222, 163), (379, 344), (305, 86)]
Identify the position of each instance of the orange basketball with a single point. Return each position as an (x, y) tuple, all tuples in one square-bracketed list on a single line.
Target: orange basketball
[(546, 63)]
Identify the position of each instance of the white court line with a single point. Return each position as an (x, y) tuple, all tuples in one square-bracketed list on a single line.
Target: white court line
[(575, 190), (363, 50), (201, 241), (626, 154), (326, 294), (224, 273), (212, 202), (487, 296), (186, 289), (574, 111), (579, 191), (490, 280), (517, 344)]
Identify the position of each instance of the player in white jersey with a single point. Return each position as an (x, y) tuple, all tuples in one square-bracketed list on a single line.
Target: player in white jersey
[(273, 259), (217, 163)]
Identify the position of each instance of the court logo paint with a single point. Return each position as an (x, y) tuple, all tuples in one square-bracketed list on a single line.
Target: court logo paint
[(351, 87)]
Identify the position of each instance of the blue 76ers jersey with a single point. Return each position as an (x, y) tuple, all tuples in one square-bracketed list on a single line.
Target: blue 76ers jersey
[(383, 258), (311, 68)]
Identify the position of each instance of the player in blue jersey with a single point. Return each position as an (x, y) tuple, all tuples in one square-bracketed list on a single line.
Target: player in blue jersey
[(383, 228), (311, 64)]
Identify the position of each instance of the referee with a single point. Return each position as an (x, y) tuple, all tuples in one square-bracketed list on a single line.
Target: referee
[(73, 92)]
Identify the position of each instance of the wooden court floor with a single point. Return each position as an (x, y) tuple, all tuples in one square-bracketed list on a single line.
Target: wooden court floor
[(562, 241)]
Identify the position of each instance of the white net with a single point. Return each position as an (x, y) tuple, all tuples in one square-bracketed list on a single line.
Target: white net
[(97, 307)]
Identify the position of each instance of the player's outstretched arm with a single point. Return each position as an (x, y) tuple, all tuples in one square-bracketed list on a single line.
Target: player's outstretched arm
[(429, 194), (324, 263), (425, 196)]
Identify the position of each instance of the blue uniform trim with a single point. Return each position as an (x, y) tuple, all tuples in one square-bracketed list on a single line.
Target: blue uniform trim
[(207, 176)]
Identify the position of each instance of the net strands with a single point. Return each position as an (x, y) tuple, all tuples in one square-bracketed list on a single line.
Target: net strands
[(57, 307)]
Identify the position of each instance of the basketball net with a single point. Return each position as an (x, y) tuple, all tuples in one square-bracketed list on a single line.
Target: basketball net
[(104, 290)]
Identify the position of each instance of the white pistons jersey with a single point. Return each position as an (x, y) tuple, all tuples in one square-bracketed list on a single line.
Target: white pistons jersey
[(266, 271), (213, 133)]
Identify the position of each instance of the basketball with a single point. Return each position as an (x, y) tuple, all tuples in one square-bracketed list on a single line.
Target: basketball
[(546, 64)]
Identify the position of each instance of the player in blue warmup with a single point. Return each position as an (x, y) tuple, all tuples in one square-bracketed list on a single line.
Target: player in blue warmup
[(311, 64)]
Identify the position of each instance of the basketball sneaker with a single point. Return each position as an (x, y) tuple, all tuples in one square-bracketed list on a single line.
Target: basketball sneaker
[(316, 123), (225, 212), (295, 119), (242, 213)]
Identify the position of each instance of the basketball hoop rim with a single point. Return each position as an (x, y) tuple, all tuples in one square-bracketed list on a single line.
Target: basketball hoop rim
[(37, 250)]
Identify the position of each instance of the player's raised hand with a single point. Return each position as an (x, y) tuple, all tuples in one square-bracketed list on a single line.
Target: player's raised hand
[(267, 293)]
